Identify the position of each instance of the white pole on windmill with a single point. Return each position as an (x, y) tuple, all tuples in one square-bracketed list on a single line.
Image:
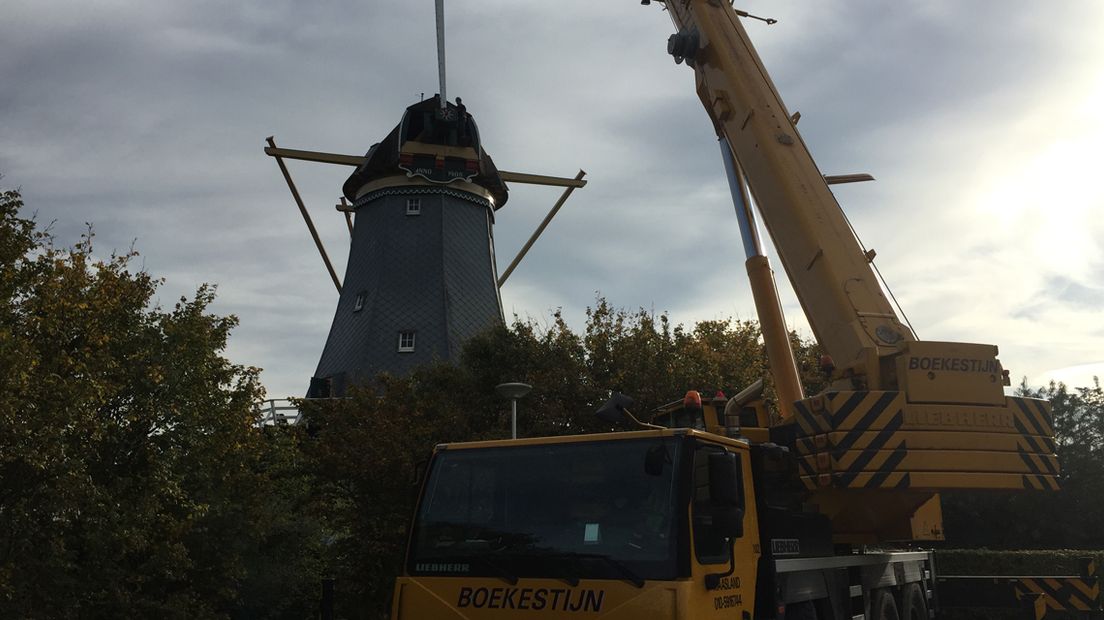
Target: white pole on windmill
[(441, 50)]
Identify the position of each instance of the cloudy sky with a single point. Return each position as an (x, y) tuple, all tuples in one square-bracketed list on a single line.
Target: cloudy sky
[(980, 120)]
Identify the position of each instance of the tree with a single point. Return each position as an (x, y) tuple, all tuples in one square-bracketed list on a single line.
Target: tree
[(134, 481)]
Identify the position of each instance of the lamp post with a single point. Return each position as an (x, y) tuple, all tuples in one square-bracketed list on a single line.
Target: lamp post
[(513, 391)]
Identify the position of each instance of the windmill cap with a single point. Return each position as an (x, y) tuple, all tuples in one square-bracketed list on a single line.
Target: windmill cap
[(438, 144)]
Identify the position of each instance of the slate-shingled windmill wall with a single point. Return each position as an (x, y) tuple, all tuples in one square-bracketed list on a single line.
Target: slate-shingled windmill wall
[(422, 256)]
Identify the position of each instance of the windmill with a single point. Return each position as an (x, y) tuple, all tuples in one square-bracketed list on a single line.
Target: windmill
[(422, 276)]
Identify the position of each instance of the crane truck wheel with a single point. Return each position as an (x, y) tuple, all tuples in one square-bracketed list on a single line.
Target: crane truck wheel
[(913, 604), (882, 606), (804, 610)]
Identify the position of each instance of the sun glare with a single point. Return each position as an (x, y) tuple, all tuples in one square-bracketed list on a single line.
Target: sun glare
[(1044, 191)]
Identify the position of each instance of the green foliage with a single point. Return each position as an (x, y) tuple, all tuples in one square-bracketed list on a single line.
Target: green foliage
[(133, 479), (645, 357), (362, 453), (1068, 518), (552, 360)]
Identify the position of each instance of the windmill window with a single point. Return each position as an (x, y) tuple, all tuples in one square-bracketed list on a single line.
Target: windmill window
[(413, 206), (406, 342), (358, 305)]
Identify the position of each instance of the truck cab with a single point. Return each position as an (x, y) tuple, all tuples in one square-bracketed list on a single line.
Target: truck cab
[(657, 524), (645, 524)]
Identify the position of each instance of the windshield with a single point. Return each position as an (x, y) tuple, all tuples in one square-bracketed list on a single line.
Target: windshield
[(598, 510)]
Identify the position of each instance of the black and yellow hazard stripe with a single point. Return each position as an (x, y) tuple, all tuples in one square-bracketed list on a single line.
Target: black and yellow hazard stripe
[(1042, 474), (811, 421), (1041, 464), (886, 479), (856, 462), (863, 411), (1062, 593), (1033, 421), (900, 457), (931, 480), (811, 444), (929, 440), (1032, 416), (1039, 482), (806, 468), (845, 411), (876, 440)]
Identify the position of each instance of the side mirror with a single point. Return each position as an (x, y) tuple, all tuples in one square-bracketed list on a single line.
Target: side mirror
[(655, 459), (726, 493)]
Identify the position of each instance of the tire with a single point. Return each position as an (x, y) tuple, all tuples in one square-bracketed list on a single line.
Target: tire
[(882, 605), (913, 604), (804, 610)]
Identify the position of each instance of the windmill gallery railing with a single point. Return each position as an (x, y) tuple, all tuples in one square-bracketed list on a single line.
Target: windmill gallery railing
[(277, 411)]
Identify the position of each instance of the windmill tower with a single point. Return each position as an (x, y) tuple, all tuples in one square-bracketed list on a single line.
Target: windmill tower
[(421, 277)]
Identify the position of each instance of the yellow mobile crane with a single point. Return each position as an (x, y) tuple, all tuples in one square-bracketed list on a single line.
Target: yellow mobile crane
[(720, 510), (903, 414)]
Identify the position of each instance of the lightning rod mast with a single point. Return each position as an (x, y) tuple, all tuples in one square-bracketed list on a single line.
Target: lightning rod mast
[(441, 50)]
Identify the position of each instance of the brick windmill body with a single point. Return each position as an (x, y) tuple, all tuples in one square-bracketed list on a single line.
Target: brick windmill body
[(421, 277)]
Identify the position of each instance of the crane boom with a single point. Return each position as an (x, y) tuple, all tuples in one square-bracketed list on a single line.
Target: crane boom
[(849, 314)]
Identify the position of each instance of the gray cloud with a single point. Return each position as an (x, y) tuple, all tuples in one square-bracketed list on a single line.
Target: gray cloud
[(148, 119)]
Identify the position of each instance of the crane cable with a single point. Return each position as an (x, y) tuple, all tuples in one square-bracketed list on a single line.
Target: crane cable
[(878, 272)]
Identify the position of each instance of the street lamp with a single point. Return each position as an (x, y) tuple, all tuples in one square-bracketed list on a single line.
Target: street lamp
[(513, 391)]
